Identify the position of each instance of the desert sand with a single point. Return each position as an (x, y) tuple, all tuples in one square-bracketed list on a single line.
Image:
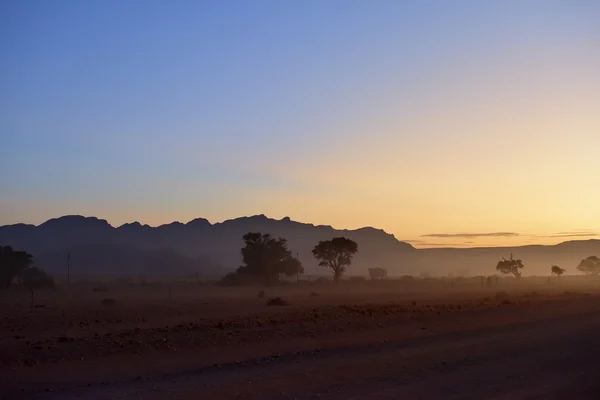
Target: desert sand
[(422, 339)]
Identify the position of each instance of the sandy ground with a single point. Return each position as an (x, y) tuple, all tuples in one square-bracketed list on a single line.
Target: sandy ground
[(370, 342)]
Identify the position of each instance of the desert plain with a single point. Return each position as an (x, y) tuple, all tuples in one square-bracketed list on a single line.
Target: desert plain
[(450, 338)]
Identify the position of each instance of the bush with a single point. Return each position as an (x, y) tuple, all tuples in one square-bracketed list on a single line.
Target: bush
[(108, 302), (378, 273), (277, 301), (235, 279), (261, 294)]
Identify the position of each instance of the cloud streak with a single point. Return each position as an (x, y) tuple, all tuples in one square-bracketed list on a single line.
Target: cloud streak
[(443, 244), (471, 235), (573, 234), (425, 243)]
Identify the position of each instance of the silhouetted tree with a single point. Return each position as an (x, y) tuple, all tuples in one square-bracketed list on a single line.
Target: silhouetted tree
[(510, 266), (266, 259), (377, 273), (12, 265), (590, 265), (556, 270), (336, 254)]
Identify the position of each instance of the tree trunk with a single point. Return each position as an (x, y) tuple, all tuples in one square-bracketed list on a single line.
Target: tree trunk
[(336, 275)]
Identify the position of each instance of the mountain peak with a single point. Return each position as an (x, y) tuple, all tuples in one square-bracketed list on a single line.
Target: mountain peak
[(258, 217), (198, 222), (134, 226), (75, 221)]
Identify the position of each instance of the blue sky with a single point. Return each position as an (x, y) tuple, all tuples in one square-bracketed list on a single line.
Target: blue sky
[(348, 113)]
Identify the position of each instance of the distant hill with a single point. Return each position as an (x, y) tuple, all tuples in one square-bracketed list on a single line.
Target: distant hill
[(197, 246), (475, 261), (201, 247)]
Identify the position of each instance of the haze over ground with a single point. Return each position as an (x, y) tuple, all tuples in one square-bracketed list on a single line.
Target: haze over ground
[(445, 123)]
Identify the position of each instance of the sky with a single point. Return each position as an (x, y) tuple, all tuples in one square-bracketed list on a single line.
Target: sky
[(446, 123)]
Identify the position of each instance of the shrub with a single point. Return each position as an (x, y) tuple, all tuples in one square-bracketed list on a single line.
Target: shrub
[(378, 273), (108, 302), (235, 279), (277, 301)]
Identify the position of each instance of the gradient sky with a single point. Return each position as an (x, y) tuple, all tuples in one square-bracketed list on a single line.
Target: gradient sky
[(422, 118)]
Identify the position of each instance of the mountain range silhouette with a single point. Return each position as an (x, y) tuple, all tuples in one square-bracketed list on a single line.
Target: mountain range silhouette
[(199, 247)]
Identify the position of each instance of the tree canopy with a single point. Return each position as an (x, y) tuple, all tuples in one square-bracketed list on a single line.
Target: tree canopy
[(590, 265), (336, 254), (556, 270), (12, 265), (266, 259), (510, 266)]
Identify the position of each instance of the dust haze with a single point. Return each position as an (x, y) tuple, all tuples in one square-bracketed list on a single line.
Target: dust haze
[(265, 328)]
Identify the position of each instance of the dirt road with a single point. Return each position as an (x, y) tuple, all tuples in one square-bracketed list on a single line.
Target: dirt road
[(538, 354)]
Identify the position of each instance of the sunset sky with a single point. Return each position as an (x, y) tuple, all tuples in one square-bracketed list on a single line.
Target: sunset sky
[(455, 123)]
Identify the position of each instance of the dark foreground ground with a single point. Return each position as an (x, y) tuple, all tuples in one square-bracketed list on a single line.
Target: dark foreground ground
[(546, 349)]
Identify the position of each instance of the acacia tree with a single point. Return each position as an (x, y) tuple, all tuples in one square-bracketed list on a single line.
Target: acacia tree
[(12, 265), (510, 266), (336, 254), (556, 270), (590, 265), (266, 259)]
